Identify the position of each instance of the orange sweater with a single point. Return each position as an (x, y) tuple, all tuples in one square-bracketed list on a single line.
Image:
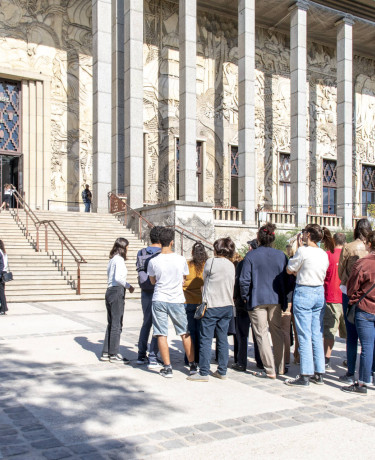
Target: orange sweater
[(193, 284)]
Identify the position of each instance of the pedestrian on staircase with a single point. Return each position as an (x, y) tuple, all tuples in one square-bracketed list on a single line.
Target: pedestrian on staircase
[(115, 301), (87, 197), (147, 290), (3, 268)]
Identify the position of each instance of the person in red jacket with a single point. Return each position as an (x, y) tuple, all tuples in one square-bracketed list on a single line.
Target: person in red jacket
[(333, 316)]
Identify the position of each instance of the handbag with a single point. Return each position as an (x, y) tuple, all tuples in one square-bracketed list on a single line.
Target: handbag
[(201, 309), (7, 276), (350, 312)]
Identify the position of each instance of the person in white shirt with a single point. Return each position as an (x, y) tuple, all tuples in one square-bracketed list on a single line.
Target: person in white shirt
[(309, 265), (115, 301), (167, 272)]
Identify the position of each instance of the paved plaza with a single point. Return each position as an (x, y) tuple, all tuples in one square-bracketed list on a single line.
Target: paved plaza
[(57, 400)]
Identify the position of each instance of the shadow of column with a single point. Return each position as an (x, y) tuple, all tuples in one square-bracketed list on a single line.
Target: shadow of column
[(268, 141)]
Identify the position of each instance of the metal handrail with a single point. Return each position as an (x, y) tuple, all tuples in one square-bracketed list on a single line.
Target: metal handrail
[(130, 211), (64, 240)]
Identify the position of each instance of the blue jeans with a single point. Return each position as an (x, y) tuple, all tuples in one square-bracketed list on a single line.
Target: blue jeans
[(215, 318), (87, 206), (351, 338), (194, 329), (308, 310), (146, 300), (365, 323)]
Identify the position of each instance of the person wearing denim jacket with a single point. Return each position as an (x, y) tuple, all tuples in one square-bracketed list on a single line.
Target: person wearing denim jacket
[(310, 264)]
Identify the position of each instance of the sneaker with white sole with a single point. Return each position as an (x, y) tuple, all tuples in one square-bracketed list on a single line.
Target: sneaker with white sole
[(317, 379), (155, 364), (166, 372), (197, 378), (193, 368), (118, 359), (141, 361), (217, 375), (104, 357)]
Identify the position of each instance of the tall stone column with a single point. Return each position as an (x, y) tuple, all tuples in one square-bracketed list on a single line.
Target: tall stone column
[(298, 109), (133, 105), (247, 186), (344, 120), (188, 99), (101, 31)]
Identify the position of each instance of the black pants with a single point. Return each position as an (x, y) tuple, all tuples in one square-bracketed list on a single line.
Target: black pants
[(3, 300), (115, 304), (242, 333)]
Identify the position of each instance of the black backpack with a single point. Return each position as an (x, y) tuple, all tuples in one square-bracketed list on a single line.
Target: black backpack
[(143, 258)]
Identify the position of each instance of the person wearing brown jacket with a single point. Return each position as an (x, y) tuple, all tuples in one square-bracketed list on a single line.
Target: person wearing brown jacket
[(350, 253)]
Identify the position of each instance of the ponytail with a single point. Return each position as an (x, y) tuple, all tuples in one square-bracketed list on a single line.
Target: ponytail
[(328, 241)]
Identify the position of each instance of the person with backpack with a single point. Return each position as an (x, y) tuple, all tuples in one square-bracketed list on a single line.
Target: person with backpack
[(147, 290)]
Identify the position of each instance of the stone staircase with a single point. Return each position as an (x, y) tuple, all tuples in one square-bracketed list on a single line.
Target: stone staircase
[(39, 276)]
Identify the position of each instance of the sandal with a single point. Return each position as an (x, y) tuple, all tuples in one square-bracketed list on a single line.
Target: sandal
[(263, 375)]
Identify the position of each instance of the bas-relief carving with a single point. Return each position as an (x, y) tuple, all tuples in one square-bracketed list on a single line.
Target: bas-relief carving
[(55, 38)]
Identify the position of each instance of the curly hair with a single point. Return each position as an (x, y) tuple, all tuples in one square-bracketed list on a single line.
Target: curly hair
[(266, 234), (199, 256)]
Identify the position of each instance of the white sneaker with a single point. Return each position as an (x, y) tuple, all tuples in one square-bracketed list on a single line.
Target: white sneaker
[(155, 364)]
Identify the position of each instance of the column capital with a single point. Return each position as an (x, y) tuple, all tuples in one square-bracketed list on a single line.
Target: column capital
[(347, 19), (300, 5)]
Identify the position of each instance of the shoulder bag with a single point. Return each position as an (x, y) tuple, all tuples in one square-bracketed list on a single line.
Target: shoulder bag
[(6, 274), (350, 313), (201, 309)]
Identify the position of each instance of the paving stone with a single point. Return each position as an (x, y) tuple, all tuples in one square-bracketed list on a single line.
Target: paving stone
[(7, 431), (223, 434), (207, 427), (9, 440), (269, 416), (133, 440), (174, 444), (324, 415), (247, 429), (231, 422), (266, 426), (32, 427), (93, 456), (46, 443), (37, 435), (286, 422), (82, 448), (121, 455), (198, 439), (110, 444), (9, 451), (26, 421), (56, 454), (148, 449), (164, 434), (304, 419)]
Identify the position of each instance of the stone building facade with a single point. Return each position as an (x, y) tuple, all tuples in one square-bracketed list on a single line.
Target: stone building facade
[(239, 110)]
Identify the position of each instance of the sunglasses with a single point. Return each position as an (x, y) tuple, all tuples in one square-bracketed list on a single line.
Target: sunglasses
[(304, 231)]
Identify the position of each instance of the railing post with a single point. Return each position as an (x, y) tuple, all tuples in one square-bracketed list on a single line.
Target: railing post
[(17, 210), (62, 255), (46, 237), (182, 243), (78, 278), (126, 216), (139, 228), (37, 238), (27, 224)]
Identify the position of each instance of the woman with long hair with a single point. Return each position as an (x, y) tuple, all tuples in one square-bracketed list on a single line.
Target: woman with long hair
[(218, 276), (193, 293), (7, 196), (350, 253), (309, 265), (361, 280), (3, 268), (115, 301)]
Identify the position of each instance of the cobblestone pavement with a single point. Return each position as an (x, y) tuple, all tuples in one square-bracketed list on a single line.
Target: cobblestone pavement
[(58, 401)]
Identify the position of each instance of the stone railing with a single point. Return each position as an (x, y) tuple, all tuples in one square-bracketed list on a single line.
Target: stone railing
[(228, 214), (276, 217), (324, 220)]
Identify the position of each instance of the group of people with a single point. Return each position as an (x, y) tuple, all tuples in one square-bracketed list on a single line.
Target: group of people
[(310, 291)]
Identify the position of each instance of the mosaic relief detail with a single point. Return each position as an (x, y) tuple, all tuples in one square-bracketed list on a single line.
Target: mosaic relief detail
[(54, 37)]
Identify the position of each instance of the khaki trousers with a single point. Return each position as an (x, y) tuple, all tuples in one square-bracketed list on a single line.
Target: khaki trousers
[(262, 317)]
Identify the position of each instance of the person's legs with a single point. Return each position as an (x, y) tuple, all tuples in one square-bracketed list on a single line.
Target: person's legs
[(193, 328), (317, 330), (188, 347), (278, 338), (87, 207), (109, 322), (285, 325), (160, 329), (296, 343), (116, 300), (3, 300), (208, 325), (330, 325), (146, 301), (242, 331), (365, 323), (257, 357), (302, 310), (258, 318), (351, 340), (164, 350), (224, 315)]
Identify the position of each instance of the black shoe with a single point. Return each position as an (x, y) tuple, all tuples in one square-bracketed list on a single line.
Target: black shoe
[(166, 372), (317, 379), (345, 363), (2, 313), (118, 359), (328, 367), (193, 368), (238, 367), (355, 388), (347, 379), (300, 380)]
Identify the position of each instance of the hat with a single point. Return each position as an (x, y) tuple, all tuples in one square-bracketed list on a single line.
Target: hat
[(253, 243)]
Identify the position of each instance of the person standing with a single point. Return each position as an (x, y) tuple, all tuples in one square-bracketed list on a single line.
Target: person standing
[(263, 283), (361, 280), (87, 197), (350, 253), (218, 276), (147, 290), (7, 196), (193, 294), (3, 268), (310, 265), (167, 272), (333, 316), (115, 301)]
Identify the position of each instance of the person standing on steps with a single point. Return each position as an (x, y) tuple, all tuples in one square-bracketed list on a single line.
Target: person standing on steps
[(167, 272), (115, 301), (7, 196), (147, 290), (3, 268), (87, 197)]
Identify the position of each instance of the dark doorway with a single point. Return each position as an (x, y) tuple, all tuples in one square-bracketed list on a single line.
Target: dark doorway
[(10, 173)]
